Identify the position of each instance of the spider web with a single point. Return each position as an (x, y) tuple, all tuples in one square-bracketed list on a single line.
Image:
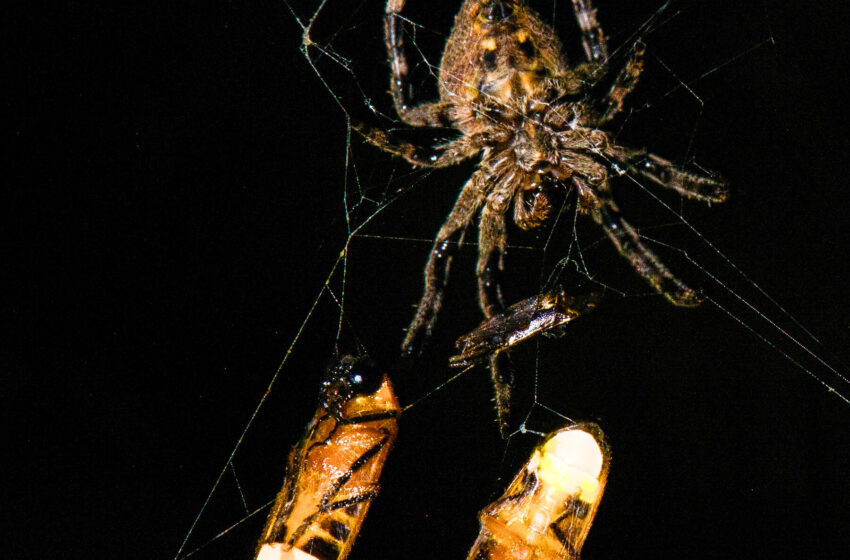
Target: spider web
[(720, 417)]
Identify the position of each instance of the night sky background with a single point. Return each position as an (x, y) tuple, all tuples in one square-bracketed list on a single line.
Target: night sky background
[(175, 204)]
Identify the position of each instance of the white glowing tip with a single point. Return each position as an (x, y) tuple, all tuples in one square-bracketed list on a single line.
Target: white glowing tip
[(275, 552), (574, 450)]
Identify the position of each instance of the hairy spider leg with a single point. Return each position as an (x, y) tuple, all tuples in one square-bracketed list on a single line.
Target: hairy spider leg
[(627, 241), (643, 260), (713, 189), (596, 51), (592, 37), (441, 155), (624, 84), (492, 237), (437, 270), (434, 114), (502, 377)]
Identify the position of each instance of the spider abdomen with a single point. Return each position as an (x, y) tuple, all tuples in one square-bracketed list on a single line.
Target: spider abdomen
[(500, 59)]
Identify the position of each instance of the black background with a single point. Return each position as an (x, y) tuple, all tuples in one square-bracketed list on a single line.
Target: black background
[(175, 205)]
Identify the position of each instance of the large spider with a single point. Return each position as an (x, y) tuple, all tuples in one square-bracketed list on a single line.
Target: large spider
[(506, 87)]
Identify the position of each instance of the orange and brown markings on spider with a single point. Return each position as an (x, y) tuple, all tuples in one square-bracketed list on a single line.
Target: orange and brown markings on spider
[(548, 509), (506, 88), (332, 473)]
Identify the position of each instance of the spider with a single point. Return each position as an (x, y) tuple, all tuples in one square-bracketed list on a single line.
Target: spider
[(506, 87)]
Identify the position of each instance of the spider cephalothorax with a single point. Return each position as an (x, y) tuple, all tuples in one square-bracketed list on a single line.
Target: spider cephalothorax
[(505, 86)]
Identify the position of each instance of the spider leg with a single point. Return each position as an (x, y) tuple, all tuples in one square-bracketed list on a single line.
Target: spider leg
[(670, 176), (428, 114), (592, 37), (624, 84), (442, 155), (437, 114), (502, 377), (437, 269), (492, 237), (627, 241)]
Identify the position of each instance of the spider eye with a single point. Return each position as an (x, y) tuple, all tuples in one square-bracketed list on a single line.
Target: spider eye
[(496, 11)]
